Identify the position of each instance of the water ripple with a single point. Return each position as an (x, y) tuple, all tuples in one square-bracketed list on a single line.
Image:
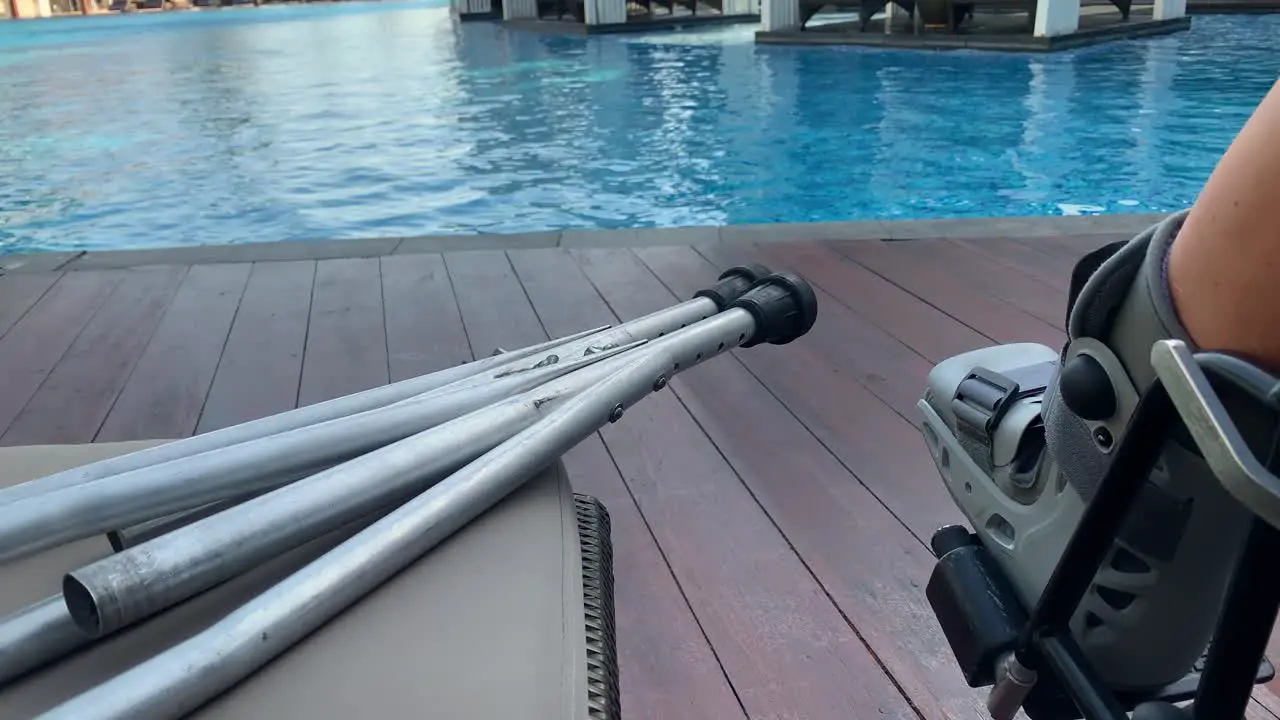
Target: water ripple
[(390, 119)]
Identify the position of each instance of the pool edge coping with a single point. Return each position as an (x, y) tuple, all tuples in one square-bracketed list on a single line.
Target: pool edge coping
[(877, 230)]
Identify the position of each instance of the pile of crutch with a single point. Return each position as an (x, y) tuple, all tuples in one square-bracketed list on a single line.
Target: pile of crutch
[(413, 462)]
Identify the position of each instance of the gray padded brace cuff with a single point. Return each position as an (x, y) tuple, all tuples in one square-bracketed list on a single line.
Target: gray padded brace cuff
[(1126, 305)]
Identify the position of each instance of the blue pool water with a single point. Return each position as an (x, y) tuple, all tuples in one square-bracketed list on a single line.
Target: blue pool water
[(388, 119)]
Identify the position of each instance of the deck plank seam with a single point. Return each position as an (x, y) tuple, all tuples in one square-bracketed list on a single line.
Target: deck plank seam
[(666, 561), (151, 335), (32, 304), (873, 390), (838, 247), (382, 294), (835, 247), (826, 592), (984, 250), (635, 503), (311, 304), (60, 266), (119, 277), (453, 288), (976, 243), (755, 247), (222, 351), (506, 255), (675, 579), (796, 551), (783, 404)]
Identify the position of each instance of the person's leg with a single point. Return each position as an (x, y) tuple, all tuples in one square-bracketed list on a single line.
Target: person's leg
[(1224, 265), (1209, 277)]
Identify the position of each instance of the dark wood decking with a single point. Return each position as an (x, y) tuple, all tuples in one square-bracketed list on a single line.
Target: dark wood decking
[(769, 515)]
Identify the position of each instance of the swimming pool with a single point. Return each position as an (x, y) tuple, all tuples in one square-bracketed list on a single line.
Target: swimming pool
[(363, 120)]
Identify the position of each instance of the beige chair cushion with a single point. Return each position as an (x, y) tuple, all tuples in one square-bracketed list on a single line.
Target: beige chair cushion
[(488, 625)]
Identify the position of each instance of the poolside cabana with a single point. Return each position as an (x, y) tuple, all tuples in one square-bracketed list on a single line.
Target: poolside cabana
[(612, 16), (977, 24)]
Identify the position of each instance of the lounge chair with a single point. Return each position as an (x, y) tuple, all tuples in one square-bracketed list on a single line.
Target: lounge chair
[(454, 632)]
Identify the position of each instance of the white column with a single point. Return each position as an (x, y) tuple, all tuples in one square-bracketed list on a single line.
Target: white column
[(479, 6), (44, 9), (780, 14), (518, 9), (1168, 9), (1057, 17), (890, 14), (737, 7)]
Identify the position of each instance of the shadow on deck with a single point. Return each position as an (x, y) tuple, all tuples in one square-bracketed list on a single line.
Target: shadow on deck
[(770, 514)]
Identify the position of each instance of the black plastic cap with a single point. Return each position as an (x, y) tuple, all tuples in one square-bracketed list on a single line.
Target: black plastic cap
[(784, 308), (1086, 389), (732, 284), (951, 537)]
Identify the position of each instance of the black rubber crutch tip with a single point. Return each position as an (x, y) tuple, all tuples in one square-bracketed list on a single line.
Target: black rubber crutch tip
[(784, 307), (732, 283)]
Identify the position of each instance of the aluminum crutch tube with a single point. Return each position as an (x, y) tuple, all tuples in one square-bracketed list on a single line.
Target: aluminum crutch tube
[(181, 679), (127, 587), (80, 511), (36, 635), (731, 285), (271, 425), (186, 676)]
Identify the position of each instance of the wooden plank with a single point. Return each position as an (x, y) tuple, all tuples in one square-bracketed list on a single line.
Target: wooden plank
[(785, 647), (563, 299), (35, 343), (167, 389), (495, 309), (666, 664), (1258, 710), (1038, 299), (261, 363), (934, 283), (1023, 259), (18, 292), (73, 401), (1267, 694), (925, 329), (876, 360), (424, 326), (819, 379), (346, 338), (1265, 704), (872, 566), (1072, 247)]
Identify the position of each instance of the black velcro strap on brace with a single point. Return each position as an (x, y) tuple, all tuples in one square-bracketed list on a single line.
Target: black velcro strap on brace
[(1085, 269)]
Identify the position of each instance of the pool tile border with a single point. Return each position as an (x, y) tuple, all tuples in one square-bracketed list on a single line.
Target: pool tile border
[(889, 231)]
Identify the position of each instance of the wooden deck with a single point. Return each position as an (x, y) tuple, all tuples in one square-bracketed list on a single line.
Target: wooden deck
[(769, 516)]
